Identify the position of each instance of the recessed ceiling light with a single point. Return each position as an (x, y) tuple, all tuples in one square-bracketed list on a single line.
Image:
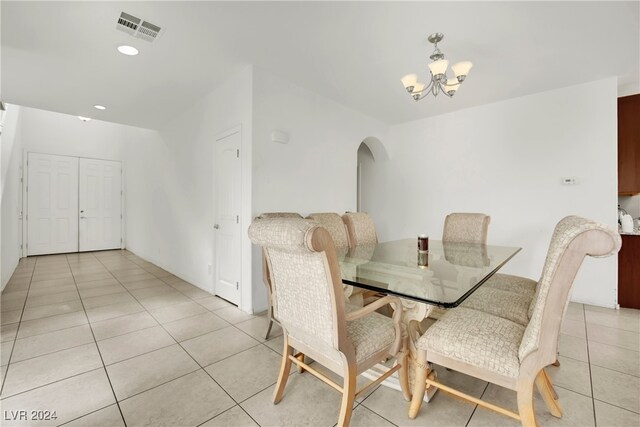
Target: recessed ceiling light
[(99, 107), (84, 119), (127, 50)]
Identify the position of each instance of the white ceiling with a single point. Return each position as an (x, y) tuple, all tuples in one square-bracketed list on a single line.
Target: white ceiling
[(61, 56)]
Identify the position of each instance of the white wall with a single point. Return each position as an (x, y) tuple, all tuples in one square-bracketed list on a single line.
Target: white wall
[(507, 160), (170, 186), (56, 133), (10, 191), (316, 170)]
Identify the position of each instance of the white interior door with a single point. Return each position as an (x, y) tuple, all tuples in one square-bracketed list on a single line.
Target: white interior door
[(227, 217), (100, 214), (52, 204)]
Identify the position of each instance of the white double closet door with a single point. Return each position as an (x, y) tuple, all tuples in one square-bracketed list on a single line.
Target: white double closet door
[(73, 204)]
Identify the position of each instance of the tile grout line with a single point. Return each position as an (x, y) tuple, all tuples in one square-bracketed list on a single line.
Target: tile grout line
[(54, 382), (475, 408), (365, 406), (13, 344), (200, 366), (183, 349), (619, 407), (586, 335), (198, 363), (104, 367)]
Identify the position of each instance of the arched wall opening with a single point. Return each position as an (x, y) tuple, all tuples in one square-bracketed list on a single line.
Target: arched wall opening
[(371, 157)]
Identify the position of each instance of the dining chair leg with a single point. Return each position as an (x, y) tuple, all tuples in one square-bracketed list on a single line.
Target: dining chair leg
[(525, 403), (348, 395), (419, 383), (285, 367), (266, 337), (545, 391), (300, 357), (550, 384), (403, 373)]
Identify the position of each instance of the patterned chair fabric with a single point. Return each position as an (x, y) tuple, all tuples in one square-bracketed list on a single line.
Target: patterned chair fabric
[(511, 283), (505, 296), (476, 338), (506, 352), (565, 233), (334, 225), (280, 215), (466, 228), (361, 229), (265, 269), (507, 305), (308, 301)]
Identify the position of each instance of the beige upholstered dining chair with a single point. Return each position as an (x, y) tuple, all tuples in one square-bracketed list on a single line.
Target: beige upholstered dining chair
[(265, 269), (461, 228), (333, 223), (309, 303), (503, 295), (360, 229), (466, 228), (507, 353)]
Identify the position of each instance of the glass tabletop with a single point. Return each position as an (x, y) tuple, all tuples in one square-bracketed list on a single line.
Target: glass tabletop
[(445, 276)]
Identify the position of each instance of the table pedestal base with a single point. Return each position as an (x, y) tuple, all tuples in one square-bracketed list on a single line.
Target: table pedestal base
[(392, 381)]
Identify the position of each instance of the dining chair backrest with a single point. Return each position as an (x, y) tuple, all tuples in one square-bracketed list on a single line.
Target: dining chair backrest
[(465, 254), (333, 223), (265, 268), (466, 228), (280, 215), (360, 229), (573, 239), (306, 283)]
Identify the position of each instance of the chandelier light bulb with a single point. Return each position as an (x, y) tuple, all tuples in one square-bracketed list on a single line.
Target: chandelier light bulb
[(409, 82), (452, 86), (417, 89), (461, 69), (439, 67)]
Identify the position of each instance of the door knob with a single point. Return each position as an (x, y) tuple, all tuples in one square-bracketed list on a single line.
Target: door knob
[(216, 226)]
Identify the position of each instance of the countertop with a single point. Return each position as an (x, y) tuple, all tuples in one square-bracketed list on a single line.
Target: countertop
[(635, 232)]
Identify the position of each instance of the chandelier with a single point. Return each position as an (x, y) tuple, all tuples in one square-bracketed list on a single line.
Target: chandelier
[(438, 68)]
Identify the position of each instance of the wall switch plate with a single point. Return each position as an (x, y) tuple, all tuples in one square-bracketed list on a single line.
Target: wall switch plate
[(569, 181), (210, 269)]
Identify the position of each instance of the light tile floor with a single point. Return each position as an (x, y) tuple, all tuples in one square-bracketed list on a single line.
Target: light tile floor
[(106, 338)]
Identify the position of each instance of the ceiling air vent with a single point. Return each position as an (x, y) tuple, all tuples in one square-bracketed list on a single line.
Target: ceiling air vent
[(138, 28)]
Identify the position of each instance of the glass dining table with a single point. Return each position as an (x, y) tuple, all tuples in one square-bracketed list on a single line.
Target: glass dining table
[(444, 276)]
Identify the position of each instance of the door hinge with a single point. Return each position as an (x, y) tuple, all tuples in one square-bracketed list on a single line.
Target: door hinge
[(237, 286), (237, 219), (238, 153)]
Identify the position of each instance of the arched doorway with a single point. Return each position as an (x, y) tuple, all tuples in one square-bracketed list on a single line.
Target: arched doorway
[(371, 153)]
